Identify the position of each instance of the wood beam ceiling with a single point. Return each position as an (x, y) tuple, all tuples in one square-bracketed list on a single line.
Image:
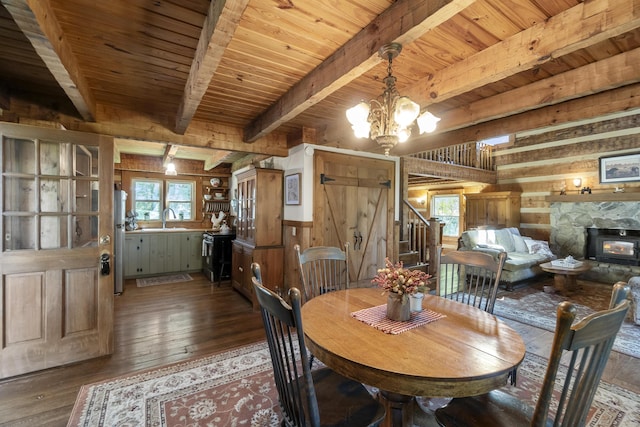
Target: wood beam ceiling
[(218, 28), (577, 28), (37, 21), (403, 22)]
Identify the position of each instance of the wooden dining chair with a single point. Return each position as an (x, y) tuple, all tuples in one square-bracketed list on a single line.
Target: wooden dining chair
[(323, 269), (588, 342), (470, 277), (309, 397)]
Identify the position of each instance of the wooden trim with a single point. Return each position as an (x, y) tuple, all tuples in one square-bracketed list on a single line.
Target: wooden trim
[(290, 223)]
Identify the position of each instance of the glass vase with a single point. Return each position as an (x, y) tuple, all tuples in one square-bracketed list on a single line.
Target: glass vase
[(398, 308), (416, 301)]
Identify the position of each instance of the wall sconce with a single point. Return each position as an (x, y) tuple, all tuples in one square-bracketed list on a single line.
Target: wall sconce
[(422, 201), (171, 168), (577, 182)]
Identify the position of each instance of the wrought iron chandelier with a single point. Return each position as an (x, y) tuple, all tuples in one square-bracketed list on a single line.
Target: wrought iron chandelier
[(388, 119)]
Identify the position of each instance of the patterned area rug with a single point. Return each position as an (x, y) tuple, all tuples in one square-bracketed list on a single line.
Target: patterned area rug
[(163, 280), (532, 306), (236, 388)]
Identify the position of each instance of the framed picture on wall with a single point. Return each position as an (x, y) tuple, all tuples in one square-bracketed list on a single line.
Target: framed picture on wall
[(292, 189), (625, 168)]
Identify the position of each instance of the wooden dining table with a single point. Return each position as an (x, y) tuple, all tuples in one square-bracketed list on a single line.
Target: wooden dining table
[(467, 352)]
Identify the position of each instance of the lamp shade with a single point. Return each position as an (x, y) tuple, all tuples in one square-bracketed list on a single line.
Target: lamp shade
[(171, 169), (406, 111), (361, 130), (427, 122), (403, 134), (358, 114)]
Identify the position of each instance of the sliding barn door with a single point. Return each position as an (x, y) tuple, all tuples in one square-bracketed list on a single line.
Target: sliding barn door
[(353, 202), (56, 302)]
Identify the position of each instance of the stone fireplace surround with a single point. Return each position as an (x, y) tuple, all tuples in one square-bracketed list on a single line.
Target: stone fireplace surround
[(569, 221)]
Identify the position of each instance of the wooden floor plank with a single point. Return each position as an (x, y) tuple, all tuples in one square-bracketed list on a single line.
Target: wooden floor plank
[(153, 326), (158, 325)]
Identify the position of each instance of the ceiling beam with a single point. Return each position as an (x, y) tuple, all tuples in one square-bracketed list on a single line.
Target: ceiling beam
[(588, 107), (216, 158), (169, 152), (576, 28), (132, 124), (616, 71), (581, 26), (218, 29), (403, 22), (37, 20)]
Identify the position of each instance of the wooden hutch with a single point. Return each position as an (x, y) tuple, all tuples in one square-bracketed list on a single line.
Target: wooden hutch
[(258, 230)]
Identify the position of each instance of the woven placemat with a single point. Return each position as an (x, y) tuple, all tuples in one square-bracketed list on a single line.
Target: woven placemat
[(377, 317)]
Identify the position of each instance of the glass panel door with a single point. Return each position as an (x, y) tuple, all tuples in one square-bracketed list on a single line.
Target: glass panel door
[(50, 194)]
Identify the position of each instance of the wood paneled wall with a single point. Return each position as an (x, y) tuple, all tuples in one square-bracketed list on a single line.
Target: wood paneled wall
[(540, 163), (138, 166)]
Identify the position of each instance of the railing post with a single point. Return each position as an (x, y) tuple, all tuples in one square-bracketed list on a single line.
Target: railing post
[(434, 240)]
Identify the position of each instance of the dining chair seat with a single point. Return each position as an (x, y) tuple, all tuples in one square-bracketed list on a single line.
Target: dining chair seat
[(308, 397), (588, 344)]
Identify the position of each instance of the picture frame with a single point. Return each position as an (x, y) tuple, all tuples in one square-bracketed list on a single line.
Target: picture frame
[(616, 169), (292, 189)]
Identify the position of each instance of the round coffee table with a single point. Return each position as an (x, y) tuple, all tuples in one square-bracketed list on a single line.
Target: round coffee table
[(564, 279)]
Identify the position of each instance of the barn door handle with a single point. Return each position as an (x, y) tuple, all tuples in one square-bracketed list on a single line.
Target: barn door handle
[(355, 241), (359, 240)]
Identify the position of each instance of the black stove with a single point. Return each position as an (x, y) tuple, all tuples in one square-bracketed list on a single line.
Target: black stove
[(217, 255)]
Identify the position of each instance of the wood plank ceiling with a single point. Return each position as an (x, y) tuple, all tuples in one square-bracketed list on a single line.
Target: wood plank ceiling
[(252, 76)]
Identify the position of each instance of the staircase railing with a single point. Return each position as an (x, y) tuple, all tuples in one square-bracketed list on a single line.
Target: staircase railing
[(423, 235)]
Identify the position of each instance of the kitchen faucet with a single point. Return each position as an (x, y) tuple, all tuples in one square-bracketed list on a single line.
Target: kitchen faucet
[(164, 216)]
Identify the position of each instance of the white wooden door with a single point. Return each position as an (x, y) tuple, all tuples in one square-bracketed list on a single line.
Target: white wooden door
[(56, 303)]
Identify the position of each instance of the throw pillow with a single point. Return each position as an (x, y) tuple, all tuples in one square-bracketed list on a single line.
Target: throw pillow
[(519, 244), (538, 247), (532, 245)]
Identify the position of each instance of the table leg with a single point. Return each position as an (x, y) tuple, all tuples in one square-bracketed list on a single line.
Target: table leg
[(565, 284), (559, 282), (571, 284), (403, 411)]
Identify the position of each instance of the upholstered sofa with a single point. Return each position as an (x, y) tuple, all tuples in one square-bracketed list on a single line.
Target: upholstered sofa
[(524, 254), (634, 285)]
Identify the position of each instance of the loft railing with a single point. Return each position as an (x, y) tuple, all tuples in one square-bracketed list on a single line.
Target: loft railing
[(471, 154), (423, 236)]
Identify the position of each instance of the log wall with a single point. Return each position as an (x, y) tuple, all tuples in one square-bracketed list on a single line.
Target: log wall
[(541, 163)]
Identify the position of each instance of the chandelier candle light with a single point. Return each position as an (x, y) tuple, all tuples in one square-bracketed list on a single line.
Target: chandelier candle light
[(388, 119)]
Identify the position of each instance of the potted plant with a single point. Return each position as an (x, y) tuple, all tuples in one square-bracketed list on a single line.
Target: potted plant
[(400, 283)]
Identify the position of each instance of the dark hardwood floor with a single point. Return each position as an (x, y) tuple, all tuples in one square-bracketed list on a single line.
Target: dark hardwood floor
[(158, 325), (153, 326)]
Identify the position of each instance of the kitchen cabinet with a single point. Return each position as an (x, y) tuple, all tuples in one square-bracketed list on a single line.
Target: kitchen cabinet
[(149, 253), (258, 230), (191, 251), (271, 267), (136, 255), (492, 210), (157, 244)]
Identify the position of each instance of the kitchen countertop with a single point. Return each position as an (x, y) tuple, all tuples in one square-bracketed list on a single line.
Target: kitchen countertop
[(167, 230)]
